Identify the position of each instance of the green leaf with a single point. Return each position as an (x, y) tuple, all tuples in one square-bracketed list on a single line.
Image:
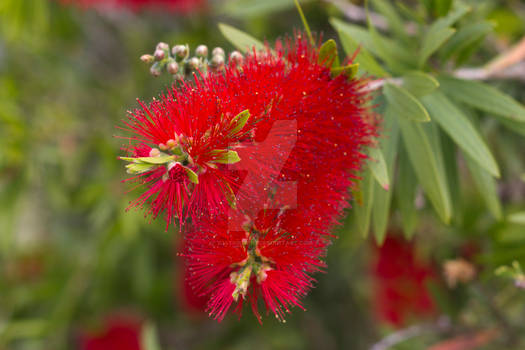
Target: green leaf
[(363, 212), (442, 7), (419, 83), (466, 37), (461, 130), (350, 70), (483, 97), (487, 187), (328, 54), (228, 157), (378, 167), (517, 218), (138, 168), (162, 159), (394, 20), (230, 196), (453, 16), (406, 190), (382, 198), (350, 45), (242, 41), (433, 40), (388, 50), (239, 121), (427, 163), (148, 337), (404, 104), (192, 176), (450, 164), (514, 126)]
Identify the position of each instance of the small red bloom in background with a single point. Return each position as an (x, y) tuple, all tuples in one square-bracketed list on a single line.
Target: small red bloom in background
[(117, 332), (182, 6), (400, 278)]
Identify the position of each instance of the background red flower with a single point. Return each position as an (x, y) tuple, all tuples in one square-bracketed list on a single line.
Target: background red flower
[(400, 276), (117, 332)]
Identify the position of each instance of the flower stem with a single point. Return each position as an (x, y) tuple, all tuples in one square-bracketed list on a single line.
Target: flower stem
[(305, 23)]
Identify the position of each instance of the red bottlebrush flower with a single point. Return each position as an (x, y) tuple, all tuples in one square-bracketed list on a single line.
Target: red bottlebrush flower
[(301, 144), (118, 332), (182, 6), (271, 259), (400, 278)]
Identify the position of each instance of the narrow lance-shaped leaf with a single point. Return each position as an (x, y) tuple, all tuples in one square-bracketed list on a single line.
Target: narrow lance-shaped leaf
[(461, 130), (388, 53), (427, 164), (450, 164), (406, 189), (433, 40), (162, 159), (364, 58), (350, 70), (378, 167), (328, 54), (404, 104), (148, 337), (242, 41), (192, 176), (382, 197), (483, 97), (239, 121), (385, 8), (465, 37), (139, 168), (487, 187), (362, 211), (517, 218), (228, 157), (363, 37), (419, 83)]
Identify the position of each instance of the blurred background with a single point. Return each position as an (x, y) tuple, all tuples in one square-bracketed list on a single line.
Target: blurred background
[(78, 271)]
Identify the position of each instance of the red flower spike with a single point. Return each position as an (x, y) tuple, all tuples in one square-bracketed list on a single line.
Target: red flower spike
[(117, 333), (270, 260), (400, 278), (302, 144)]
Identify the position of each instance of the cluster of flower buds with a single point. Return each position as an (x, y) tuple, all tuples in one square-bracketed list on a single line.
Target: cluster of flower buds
[(180, 64)]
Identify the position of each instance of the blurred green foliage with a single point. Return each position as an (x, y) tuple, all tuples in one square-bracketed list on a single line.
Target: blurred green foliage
[(71, 253)]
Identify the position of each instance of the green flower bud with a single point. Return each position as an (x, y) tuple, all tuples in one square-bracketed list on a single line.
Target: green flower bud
[(201, 51), (218, 51), (154, 152), (194, 63), (162, 46), (172, 67), (236, 57), (180, 51), (159, 55), (155, 70), (147, 59), (217, 62)]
